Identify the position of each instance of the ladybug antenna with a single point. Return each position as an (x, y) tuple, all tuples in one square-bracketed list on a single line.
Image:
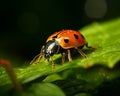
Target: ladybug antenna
[(39, 55), (34, 58), (58, 49)]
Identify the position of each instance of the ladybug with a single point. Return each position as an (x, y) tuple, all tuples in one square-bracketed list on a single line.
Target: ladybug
[(62, 42)]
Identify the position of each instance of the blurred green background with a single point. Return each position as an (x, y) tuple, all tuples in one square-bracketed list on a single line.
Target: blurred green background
[(26, 24)]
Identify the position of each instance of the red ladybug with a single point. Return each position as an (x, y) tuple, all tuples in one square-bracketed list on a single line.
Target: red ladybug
[(62, 42)]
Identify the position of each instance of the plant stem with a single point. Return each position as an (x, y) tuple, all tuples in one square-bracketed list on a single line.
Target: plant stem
[(8, 67)]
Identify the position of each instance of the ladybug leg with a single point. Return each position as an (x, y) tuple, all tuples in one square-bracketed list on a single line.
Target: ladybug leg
[(41, 55), (90, 47), (81, 53), (69, 56), (53, 64), (63, 58)]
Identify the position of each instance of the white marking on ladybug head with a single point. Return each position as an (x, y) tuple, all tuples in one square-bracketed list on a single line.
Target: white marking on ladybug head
[(50, 47)]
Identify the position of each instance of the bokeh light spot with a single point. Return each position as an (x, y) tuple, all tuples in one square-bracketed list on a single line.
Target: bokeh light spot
[(95, 8)]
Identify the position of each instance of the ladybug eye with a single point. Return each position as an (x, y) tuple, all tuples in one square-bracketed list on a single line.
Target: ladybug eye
[(66, 40)]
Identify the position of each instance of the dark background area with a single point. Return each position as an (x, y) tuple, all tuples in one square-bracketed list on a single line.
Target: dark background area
[(26, 24)]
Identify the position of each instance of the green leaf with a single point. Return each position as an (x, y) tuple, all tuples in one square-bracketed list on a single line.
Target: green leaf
[(82, 76), (106, 37), (43, 89)]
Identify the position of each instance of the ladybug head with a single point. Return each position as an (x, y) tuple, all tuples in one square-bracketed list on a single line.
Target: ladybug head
[(51, 48)]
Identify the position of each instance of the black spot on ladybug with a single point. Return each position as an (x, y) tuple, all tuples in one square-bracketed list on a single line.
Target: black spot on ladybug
[(66, 40), (82, 36), (76, 36), (54, 37)]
